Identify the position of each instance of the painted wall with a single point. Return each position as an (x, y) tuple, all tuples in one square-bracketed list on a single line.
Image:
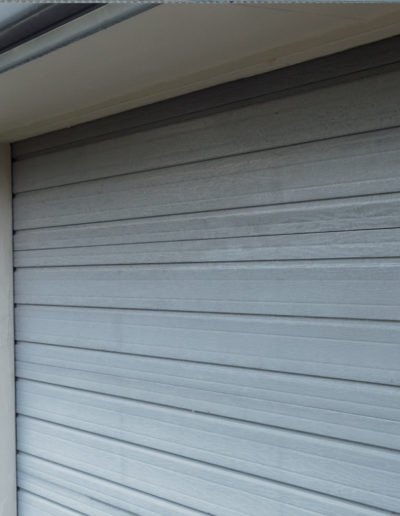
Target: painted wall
[(7, 404)]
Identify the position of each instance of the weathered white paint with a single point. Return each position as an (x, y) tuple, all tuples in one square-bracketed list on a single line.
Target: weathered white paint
[(7, 405)]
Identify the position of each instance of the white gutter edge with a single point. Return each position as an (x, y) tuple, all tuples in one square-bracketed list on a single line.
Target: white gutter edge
[(74, 30)]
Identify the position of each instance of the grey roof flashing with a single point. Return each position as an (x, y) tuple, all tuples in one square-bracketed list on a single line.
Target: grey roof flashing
[(38, 31), (36, 20)]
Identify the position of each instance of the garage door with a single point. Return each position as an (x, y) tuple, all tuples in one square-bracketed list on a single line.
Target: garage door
[(207, 302)]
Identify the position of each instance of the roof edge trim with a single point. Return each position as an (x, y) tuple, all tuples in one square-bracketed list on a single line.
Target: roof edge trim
[(78, 28)]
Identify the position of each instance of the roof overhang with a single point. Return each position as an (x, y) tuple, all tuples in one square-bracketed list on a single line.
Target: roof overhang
[(167, 51)]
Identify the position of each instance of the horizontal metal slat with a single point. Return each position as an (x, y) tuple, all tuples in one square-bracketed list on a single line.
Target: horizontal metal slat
[(355, 350), (201, 486), (54, 494), (352, 214), (39, 475), (240, 446), (293, 499), (370, 480), (352, 244), (359, 165), (367, 289), (365, 412), (32, 505)]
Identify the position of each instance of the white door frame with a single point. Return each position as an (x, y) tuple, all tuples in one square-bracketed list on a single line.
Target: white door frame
[(8, 489)]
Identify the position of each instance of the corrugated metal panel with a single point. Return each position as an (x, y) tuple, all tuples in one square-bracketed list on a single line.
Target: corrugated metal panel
[(207, 312)]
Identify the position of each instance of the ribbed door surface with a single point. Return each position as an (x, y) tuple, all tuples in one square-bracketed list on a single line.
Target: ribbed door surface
[(207, 308)]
